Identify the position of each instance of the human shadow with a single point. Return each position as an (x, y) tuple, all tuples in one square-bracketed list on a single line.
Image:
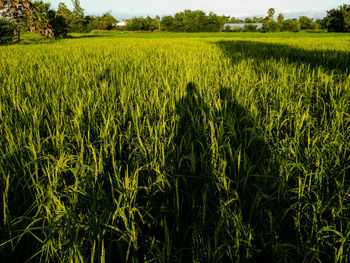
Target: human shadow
[(191, 179), (329, 60), (226, 192)]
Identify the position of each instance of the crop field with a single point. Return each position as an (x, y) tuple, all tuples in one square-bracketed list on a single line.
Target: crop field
[(176, 148)]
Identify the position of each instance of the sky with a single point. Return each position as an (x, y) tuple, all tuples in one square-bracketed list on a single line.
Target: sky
[(123, 9)]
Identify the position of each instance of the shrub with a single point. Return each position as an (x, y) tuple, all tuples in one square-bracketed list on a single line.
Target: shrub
[(250, 27), (292, 25), (58, 24), (227, 28), (6, 32), (274, 26), (338, 20)]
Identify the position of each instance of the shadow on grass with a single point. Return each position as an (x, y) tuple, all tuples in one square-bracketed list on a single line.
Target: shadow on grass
[(37, 41), (42, 40), (329, 60), (226, 201), (224, 204)]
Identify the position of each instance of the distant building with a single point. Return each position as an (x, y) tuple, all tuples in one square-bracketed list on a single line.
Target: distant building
[(122, 23), (242, 27)]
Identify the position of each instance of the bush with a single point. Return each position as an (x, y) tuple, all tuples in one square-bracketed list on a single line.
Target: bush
[(227, 28), (274, 26), (6, 32), (292, 25), (250, 27), (58, 24), (47, 18), (338, 20)]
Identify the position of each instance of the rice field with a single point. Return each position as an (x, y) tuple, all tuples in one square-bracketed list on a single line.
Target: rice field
[(176, 148)]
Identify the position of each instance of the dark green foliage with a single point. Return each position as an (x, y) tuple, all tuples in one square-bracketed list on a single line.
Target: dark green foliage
[(107, 21), (227, 28), (91, 23), (168, 23), (214, 22), (55, 20), (27, 15), (247, 20), (104, 22), (280, 18), (77, 22), (77, 18), (250, 27), (6, 32), (143, 24), (306, 23), (233, 20), (193, 21), (58, 24), (338, 20), (292, 25), (273, 26), (270, 13), (66, 14)]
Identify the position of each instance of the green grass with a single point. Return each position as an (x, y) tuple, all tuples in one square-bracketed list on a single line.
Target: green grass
[(176, 148)]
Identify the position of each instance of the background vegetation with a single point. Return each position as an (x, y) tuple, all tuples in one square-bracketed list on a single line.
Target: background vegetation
[(36, 16), (191, 147), (6, 32)]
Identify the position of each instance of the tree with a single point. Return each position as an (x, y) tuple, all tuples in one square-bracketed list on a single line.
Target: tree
[(292, 25), (250, 27), (150, 24), (280, 18), (234, 20), (77, 24), (179, 22), (318, 24), (45, 18), (167, 23), (257, 19), (214, 22), (136, 24), (15, 11), (65, 13), (338, 20), (194, 21), (107, 21), (270, 14), (158, 22), (58, 23), (24, 14), (305, 23), (247, 20), (273, 26)]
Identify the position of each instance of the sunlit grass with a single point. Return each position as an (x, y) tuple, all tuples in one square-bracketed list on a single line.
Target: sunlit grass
[(176, 148)]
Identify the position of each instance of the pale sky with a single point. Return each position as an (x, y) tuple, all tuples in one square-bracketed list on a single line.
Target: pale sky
[(237, 8)]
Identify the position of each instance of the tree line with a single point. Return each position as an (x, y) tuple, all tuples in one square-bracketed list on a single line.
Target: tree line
[(337, 20), (36, 16)]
